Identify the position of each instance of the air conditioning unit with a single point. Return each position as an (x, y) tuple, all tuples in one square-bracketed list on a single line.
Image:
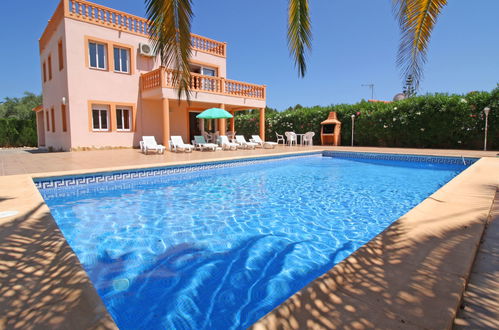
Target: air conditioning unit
[(146, 50)]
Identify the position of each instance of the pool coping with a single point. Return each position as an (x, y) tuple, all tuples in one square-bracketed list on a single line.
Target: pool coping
[(71, 300), (85, 179)]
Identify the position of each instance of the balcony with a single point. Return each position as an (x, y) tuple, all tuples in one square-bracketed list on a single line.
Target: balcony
[(89, 12), (163, 78), (100, 15)]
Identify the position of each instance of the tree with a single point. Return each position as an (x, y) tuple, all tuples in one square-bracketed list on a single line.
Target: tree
[(20, 108), (255, 111), (171, 28), (409, 89), (270, 110)]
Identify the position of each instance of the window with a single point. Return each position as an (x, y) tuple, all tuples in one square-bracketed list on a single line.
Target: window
[(52, 114), (44, 72), (100, 118), (48, 121), (60, 55), (121, 59), (123, 118), (49, 60), (63, 116), (97, 55)]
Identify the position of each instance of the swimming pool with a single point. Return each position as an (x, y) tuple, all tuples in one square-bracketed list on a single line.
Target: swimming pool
[(220, 247)]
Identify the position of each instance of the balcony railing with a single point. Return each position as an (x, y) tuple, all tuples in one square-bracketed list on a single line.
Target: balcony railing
[(163, 78), (100, 15)]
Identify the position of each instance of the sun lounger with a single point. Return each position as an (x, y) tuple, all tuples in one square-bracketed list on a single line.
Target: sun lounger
[(178, 144), (200, 143), (261, 143), (149, 143), (225, 144), (242, 142)]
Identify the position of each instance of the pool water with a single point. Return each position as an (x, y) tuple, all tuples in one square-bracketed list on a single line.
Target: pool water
[(220, 248)]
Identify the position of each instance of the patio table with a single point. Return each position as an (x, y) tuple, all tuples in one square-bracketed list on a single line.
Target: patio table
[(301, 136)]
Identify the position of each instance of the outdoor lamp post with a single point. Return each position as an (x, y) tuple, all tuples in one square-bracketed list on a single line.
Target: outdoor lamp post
[(486, 111), (353, 126)]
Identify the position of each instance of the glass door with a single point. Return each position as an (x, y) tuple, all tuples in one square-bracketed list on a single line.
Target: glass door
[(208, 72), (194, 128), (208, 84)]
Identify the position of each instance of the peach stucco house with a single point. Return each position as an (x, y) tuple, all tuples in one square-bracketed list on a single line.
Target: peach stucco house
[(103, 88)]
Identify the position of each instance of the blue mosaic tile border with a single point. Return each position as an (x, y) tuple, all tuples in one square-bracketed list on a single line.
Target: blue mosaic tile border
[(401, 157), (96, 178), (102, 177)]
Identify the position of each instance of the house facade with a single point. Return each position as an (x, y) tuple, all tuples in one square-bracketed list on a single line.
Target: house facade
[(103, 87)]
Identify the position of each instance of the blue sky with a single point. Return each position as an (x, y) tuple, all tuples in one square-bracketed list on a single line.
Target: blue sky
[(355, 42)]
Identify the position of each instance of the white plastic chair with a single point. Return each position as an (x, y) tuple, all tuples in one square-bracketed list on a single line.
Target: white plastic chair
[(257, 139), (244, 144), (178, 144), (291, 137), (212, 137), (200, 143), (280, 138), (207, 137), (149, 143), (308, 138), (224, 142)]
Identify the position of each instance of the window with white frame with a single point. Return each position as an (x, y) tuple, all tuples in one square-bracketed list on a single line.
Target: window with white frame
[(100, 118), (97, 55), (123, 118), (121, 59)]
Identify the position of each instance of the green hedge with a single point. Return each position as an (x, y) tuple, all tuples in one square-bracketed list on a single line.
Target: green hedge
[(17, 132), (430, 121)]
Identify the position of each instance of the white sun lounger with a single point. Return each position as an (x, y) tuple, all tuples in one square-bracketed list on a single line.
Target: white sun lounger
[(261, 143), (149, 143), (224, 142), (178, 144), (242, 142), (200, 143)]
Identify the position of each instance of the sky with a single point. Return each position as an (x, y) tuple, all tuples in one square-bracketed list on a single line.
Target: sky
[(355, 42)]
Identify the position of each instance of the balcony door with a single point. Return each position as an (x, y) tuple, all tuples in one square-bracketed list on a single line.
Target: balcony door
[(208, 72), (194, 124), (206, 84), (209, 84)]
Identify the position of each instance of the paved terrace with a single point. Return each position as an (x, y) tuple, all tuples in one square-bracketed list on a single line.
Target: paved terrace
[(17, 161), (412, 275)]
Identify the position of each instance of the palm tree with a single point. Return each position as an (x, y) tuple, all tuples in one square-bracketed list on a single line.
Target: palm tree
[(171, 28), (416, 19)]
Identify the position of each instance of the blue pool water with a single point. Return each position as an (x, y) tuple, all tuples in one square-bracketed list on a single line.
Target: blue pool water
[(220, 248)]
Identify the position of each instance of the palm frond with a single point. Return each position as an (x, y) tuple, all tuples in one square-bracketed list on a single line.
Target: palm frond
[(171, 37), (417, 19), (299, 33)]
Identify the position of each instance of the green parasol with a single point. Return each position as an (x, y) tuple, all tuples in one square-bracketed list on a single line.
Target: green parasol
[(214, 113)]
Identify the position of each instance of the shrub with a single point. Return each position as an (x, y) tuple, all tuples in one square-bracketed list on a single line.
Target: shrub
[(430, 121), (17, 132)]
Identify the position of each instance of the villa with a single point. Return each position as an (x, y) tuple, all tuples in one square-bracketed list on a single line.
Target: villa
[(103, 86), (290, 237)]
